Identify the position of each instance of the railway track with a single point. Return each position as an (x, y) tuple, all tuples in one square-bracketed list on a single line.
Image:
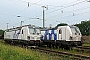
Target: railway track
[(82, 49), (65, 54)]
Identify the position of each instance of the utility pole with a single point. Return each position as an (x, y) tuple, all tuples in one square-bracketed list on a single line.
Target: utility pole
[(43, 16), (7, 25)]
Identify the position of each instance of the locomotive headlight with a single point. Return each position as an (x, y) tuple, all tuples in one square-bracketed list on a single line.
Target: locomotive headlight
[(71, 38), (32, 37), (28, 37), (35, 38), (38, 38)]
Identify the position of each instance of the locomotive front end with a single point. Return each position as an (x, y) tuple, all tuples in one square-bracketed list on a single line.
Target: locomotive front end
[(34, 36), (76, 36)]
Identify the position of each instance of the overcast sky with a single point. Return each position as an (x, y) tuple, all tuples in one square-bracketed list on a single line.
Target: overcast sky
[(57, 11)]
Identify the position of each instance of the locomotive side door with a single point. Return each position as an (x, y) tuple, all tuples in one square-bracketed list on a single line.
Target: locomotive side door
[(24, 33), (59, 34)]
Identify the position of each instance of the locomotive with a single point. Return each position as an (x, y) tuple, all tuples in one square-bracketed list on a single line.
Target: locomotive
[(62, 36), (25, 35)]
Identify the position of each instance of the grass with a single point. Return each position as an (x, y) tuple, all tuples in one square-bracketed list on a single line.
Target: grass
[(86, 44), (8, 52), (16, 53)]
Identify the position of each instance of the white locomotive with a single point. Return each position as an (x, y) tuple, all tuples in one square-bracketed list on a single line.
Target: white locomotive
[(63, 36), (26, 35)]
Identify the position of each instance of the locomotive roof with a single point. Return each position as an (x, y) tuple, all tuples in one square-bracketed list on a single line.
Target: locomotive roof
[(42, 29)]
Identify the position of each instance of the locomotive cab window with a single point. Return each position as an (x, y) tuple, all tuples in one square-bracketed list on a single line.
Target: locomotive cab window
[(60, 31), (37, 31), (32, 30)]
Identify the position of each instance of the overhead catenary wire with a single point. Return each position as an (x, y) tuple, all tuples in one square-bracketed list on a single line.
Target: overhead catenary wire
[(27, 20), (71, 15), (28, 5), (13, 15), (62, 7), (56, 6), (66, 7), (75, 4), (69, 11), (35, 3), (79, 9)]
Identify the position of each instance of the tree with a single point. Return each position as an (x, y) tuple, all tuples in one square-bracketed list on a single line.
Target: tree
[(84, 27), (1, 32)]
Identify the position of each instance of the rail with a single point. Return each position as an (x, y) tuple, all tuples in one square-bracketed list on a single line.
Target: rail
[(75, 56)]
